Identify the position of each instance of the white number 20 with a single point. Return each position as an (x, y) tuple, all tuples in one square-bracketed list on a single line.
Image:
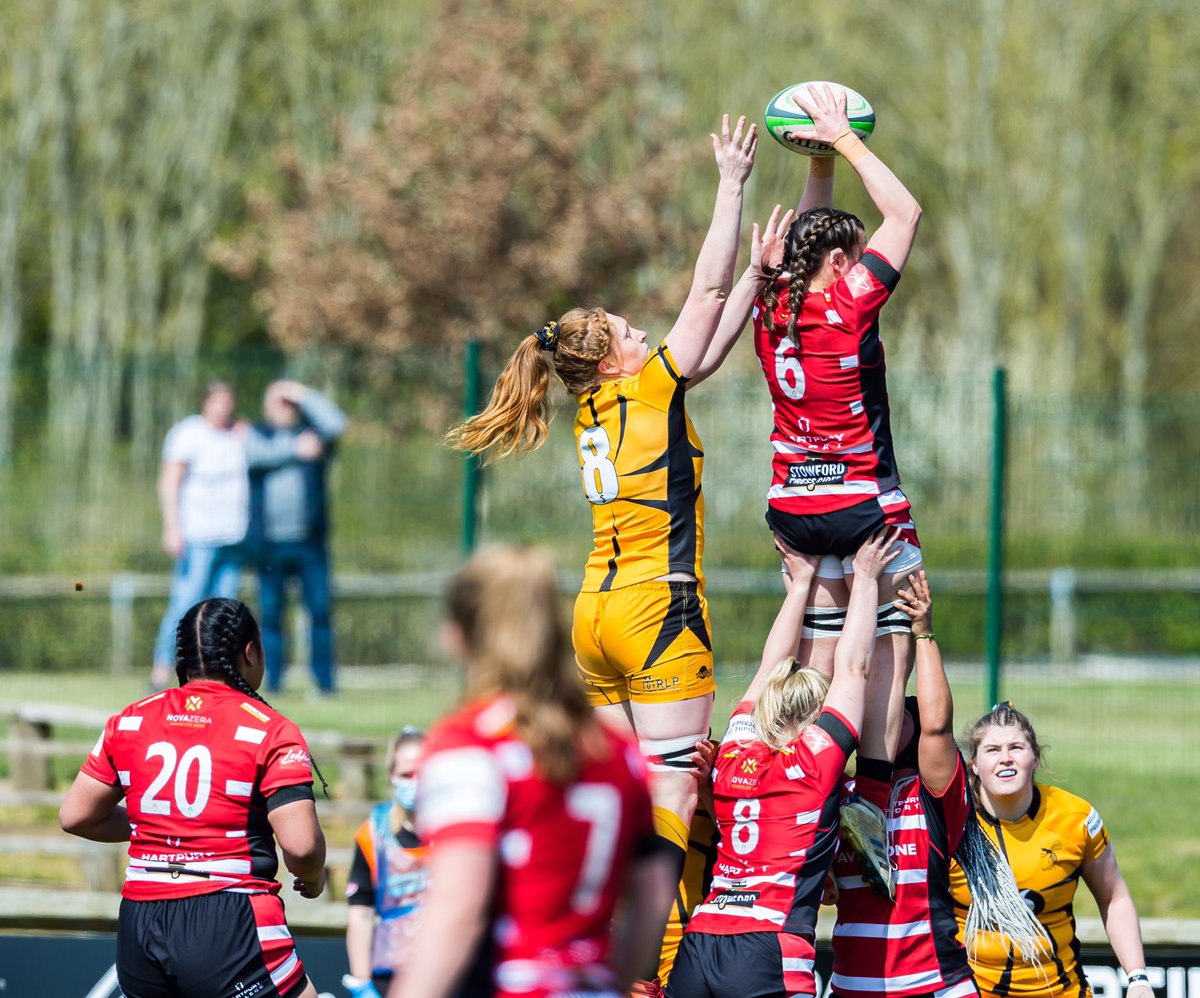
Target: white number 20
[(600, 480), (197, 754)]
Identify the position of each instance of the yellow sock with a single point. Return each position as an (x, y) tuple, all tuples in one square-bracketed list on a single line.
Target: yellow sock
[(668, 825)]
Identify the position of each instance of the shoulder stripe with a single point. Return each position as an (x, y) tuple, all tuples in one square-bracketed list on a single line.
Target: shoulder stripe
[(884, 272)]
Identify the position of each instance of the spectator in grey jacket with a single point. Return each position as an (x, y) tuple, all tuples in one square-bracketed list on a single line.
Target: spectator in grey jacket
[(287, 454)]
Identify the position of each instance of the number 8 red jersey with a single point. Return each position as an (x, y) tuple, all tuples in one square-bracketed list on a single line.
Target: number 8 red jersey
[(200, 767)]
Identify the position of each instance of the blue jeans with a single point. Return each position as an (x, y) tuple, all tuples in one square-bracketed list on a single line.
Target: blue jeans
[(309, 562), (202, 571)]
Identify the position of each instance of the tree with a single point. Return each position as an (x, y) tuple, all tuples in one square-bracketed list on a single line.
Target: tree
[(519, 169)]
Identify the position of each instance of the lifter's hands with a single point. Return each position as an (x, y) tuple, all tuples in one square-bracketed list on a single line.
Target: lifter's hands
[(766, 252), (735, 153), (875, 554), (917, 602)]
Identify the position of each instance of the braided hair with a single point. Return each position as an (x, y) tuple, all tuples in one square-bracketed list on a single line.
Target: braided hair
[(809, 240), (208, 642)]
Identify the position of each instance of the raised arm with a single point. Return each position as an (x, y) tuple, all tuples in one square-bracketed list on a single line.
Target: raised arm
[(712, 280), (1107, 884), (766, 254), (818, 189), (852, 657), (901, 213), (937, 754), (783, 640)]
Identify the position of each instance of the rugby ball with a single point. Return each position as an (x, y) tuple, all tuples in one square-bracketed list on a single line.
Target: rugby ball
[(783, 116)]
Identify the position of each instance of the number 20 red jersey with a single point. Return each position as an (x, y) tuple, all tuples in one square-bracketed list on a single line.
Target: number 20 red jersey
[(200, 767), (778, 817), (563, 850), (832, 434)]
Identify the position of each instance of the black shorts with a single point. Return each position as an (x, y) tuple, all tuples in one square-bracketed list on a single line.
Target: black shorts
[(843, 531), (746, 965), (205, 946)]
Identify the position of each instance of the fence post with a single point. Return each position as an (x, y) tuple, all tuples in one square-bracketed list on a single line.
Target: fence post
[(995, 580), (121, 591), (471, 472), (1062, 616)]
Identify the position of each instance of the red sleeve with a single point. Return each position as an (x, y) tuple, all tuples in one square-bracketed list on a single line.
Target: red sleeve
[(285, 761), (955, 803), (461, 793), (861, 294), (99, 764), (875, 791), (824, 747)]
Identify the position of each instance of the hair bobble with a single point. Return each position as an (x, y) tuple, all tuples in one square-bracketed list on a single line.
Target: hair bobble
[(547, 336)]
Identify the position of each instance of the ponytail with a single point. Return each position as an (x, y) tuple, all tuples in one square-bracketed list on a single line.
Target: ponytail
[(519, 410), (505, 602)]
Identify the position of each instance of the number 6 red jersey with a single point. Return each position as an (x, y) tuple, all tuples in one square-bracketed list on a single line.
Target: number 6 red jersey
[(200, 767), (832, 433)]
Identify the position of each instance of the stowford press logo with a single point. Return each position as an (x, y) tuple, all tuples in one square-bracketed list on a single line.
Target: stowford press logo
[(815, 471), (737, 899)]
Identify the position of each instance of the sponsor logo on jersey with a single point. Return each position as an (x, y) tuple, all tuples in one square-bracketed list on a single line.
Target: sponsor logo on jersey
[(859, 279), (253, 711), (294, 757), (743, 781), (749, 765), (1050, 856), (189, 720), (703, 672), (815, 471), (737, 899), (193, 703), (816, 739)]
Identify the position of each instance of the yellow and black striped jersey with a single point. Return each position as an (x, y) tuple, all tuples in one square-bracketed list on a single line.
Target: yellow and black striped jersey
[(641, 462), (1045, 848)]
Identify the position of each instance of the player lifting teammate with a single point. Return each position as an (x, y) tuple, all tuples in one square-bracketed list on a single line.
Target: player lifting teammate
[(211, 777), (641, 633), (776, 788)]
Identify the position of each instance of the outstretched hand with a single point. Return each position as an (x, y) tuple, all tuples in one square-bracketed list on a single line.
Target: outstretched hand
[(917, 602), (875, 554), (735, 153), (827, 108), (766, 253), (797, 567)]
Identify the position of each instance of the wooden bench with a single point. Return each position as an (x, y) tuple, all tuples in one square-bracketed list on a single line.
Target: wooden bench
[(31, 747)]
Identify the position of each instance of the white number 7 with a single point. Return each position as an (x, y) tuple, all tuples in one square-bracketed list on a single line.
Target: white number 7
[(598, 805)]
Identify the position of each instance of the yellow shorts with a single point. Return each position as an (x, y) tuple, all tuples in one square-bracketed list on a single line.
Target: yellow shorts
[(649, 642), (692, 889)]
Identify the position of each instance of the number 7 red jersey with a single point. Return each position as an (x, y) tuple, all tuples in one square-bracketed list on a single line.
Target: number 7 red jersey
[(200, 768), (563, 851)]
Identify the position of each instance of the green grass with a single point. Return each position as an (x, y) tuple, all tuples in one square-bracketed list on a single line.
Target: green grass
[(1126, 744)]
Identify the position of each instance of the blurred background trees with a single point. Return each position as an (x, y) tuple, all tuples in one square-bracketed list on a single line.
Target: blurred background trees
[(348, 189)]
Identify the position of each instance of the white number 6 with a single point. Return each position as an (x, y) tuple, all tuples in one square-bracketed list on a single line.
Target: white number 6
[(788, 364)]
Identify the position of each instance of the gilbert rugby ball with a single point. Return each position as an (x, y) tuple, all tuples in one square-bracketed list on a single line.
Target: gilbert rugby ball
[(783, 116)]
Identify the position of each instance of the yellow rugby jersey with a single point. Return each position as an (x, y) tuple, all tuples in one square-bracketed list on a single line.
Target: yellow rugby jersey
[(641, 461), (1045, 848)]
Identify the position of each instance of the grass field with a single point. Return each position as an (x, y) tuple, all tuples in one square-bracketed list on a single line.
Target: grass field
[(1123, 735)]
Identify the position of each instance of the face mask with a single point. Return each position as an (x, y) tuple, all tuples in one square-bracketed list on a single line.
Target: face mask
[(404, 791)]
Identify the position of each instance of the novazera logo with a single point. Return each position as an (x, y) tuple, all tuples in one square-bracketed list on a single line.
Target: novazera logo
[(188, 719)]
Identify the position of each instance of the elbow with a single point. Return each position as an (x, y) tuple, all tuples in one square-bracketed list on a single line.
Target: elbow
[(71, 819), (911, 216), (305, 853)]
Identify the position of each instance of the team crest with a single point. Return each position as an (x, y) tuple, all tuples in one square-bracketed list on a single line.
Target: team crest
[(749, 765), (193, 703)]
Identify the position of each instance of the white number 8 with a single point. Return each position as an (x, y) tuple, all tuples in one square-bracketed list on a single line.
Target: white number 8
[(787, 363), (745, 825), (599, 473)]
